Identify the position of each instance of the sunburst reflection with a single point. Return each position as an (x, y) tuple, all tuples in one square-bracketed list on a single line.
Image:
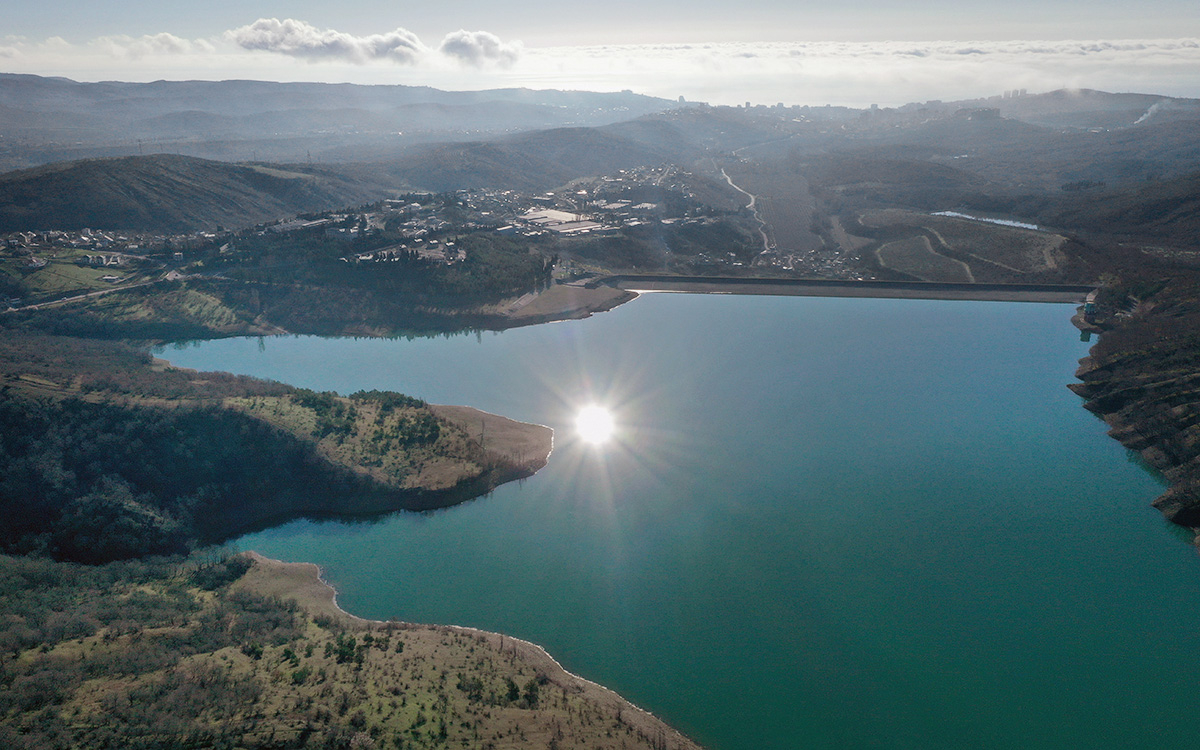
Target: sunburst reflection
[(595, 424)]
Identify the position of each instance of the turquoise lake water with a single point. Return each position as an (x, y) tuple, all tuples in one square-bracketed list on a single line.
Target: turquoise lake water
[(826, 523)]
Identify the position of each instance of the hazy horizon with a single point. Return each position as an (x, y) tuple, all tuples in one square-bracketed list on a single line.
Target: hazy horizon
[(766, 53)]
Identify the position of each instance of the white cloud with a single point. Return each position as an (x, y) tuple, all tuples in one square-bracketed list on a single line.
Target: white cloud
[(56, 43), (151, 45), (479, 48), (168, 44), (301, 39)]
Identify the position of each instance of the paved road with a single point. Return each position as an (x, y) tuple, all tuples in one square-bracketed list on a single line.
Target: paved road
[(78, 297)]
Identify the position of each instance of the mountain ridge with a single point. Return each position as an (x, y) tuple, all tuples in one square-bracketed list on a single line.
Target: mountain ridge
[(347, 121), (167, 192)]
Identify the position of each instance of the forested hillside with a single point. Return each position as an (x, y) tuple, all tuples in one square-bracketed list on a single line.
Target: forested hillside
[(167, 193), (105, 454), (226, 652)]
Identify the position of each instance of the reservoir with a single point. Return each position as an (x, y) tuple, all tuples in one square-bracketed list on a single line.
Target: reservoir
[(825, 523)]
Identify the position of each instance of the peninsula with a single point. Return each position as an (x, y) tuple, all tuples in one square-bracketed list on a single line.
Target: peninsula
[(114, 455), (248, 652)]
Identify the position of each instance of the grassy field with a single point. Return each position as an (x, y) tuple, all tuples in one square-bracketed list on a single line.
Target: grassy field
[(183, 304), (561, 301), (914, 256), (784, 202), (407, 446), (162, 311), (63, 274), (992, 252), (849, 243)]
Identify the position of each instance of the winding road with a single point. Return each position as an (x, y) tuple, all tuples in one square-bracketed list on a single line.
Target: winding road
[(753, 206)]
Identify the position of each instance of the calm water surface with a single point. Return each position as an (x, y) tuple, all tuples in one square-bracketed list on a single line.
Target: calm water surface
[(826, 523)]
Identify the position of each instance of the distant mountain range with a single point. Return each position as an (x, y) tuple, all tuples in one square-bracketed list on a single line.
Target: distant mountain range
[(1084, 160), (56, 119), (1081, 109)]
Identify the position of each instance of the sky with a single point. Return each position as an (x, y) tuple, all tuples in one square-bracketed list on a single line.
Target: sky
[(885, 52)]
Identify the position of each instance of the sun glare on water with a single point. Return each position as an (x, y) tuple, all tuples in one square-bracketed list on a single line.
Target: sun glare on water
[(595, 424)]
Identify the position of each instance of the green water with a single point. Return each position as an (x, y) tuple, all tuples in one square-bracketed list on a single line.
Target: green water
[(826, 523)]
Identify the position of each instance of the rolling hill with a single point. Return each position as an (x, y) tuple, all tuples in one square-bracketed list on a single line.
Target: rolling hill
[(1167, 210), (46, 120), (168, 193), (529, 162)]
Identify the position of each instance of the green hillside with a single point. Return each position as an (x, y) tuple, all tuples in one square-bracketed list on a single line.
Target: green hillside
[(530, 162), (106, 454), (1168, 210), (244, 652), (167, 193)]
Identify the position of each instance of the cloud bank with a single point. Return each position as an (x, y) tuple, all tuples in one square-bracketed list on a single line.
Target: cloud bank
[(887, 73), (855, 74), (154, 45), (300, 39)]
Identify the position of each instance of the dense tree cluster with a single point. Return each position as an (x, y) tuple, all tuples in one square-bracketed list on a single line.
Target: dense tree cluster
[(134, 625), (89, 366), (388, 401), (105, 453), (676, 247), (97, 481), (173, 652), (494, 266)]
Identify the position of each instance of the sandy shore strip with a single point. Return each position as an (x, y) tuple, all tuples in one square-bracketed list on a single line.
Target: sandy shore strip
[(523, 443), (303, 584), (1064, 293), (564, 302)]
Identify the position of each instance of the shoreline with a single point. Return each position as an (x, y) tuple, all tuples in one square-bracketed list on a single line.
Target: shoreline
[(514, 451), (1171, 502), (576, 301), (1125, 431), (304, 583), (513, 434), (563, 302)]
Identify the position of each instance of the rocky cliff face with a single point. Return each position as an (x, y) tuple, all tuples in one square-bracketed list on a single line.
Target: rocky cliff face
[(1143, 378)]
